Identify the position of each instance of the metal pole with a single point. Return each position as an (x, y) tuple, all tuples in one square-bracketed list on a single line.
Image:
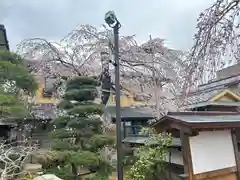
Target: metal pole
[(118, 115)]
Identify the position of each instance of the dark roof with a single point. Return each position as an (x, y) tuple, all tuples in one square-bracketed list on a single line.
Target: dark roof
[(135, 140), (206, 119), (204, 96), (130, 113), (8, 122), (3, 38), (229, 71), (219, 82), (218, 103), (176, 142), (207, 91)]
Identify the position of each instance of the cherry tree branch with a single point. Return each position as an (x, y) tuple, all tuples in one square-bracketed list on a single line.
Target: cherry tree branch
[(216, 41), (81, 50)]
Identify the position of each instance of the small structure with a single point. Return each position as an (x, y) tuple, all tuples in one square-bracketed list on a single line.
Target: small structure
[(209, 147), (6, 130), (133, 120)]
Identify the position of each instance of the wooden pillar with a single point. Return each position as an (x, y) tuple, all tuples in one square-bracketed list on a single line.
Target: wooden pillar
[(187, 158), (235, 146), (124, 129)]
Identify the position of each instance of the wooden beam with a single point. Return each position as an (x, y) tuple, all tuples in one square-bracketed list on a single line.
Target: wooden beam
[(161, 127), (215, 125), (185, 129), (181, 127), (217, 174), (187, 158), (169, 126), (236, 153)]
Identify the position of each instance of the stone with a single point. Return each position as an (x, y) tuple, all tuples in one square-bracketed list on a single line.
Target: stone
[(47, 177), (32, 167)]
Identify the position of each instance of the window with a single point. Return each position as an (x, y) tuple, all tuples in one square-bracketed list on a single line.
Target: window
[(134, 130)]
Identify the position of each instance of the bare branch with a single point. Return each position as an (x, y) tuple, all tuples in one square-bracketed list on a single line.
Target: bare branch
[(13, 158)]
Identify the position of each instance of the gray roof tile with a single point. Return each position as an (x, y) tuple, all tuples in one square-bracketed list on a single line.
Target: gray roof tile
[(218, 103), (176, 142), (202, 96), (206, 119), (130, 112), (207, 91), (3, 38)]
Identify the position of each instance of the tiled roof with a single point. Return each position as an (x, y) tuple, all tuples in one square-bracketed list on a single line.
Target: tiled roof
[(176, 142), (204, 119), (3, 38), (130, 112), (202, 96), (207, 119), (217, 103), (207, 91), (137, 140)]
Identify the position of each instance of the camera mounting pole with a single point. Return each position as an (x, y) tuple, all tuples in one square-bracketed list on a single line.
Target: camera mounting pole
[(112, 21)]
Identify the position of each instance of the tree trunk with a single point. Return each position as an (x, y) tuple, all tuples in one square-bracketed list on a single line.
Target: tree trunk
[(74, 170), (78, 140), (157, 175)]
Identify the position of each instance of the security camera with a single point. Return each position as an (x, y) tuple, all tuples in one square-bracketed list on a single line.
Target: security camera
[(111, 19)]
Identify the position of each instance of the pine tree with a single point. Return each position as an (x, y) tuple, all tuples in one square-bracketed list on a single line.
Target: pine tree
[(14, 79), (14, 72), (78, 134)]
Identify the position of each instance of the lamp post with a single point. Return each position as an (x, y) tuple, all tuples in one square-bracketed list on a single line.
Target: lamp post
[(112, 21), (3, 39)]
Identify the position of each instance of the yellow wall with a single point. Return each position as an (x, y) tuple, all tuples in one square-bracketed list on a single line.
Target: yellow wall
[(226, 98), (226, 95), (39, 94), (126, 99)]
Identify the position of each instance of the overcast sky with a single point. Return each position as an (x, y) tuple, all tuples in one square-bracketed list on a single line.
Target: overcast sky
[(173, 20)]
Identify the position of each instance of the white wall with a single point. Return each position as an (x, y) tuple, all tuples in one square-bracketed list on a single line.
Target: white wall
[(212, 150)]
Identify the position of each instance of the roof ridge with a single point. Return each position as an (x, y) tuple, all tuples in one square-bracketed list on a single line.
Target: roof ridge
[(208, 90), (202, 113)]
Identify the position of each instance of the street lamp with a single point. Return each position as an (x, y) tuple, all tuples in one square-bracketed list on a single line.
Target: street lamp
[(112, 21), (3, 39)]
